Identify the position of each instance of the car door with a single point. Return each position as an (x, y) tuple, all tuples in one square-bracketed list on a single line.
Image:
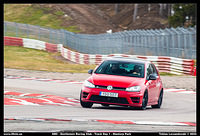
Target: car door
[(151, 84), (157, 82)]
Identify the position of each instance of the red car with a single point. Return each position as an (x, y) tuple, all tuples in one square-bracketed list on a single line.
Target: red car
[(125, 82)]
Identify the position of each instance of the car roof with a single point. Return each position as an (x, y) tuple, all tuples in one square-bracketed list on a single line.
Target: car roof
[(128, 59)]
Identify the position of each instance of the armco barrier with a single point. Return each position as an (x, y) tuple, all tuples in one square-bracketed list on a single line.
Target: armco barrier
[(194, 73), (13, 41), (34, 44), (164, 64), (51, 47)]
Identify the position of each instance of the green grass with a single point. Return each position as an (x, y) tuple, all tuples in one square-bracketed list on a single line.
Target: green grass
[(167, 74), (32, 59), (59, 13), (29, 14)]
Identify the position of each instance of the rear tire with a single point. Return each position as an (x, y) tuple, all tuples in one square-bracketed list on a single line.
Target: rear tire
[(159, 100), (85, 104), (144, 101)]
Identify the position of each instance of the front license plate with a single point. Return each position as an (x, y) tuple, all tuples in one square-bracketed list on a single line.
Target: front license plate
[(108, 94)]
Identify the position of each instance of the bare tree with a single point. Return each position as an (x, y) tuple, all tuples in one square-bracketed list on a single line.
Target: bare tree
[(116, 8), (165, 6), (149, 8), (135, 12), (161, 10), (169, 9)]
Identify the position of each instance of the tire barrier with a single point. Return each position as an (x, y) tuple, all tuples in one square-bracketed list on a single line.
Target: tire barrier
[(167, 64), (171, 65), (34, 44), (51, 47), (194, 73), (13, 41)]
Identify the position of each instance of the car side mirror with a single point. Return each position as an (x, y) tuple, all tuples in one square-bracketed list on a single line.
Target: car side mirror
[(152, 77), (90, 71)]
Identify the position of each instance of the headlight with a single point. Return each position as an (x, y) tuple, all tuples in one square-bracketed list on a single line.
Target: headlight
[(88, 84), (133, 89)]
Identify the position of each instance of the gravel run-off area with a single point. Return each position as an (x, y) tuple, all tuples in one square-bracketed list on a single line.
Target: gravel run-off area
[(182, 82)]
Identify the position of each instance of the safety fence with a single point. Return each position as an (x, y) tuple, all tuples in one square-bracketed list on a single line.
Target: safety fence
[(174, 42), (163, 63)]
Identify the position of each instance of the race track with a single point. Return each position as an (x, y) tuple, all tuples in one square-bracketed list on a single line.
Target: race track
[(46, 105)]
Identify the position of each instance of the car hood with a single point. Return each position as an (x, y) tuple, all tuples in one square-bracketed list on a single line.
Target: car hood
[(114, 80)]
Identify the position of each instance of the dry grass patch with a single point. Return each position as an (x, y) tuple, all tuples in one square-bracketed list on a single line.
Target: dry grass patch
[(32, 59)]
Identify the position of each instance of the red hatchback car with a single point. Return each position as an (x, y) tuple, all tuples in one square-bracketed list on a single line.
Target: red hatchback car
[(125, 82)]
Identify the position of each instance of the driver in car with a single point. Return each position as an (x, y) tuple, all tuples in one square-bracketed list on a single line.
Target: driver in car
[(137, 70), (115, 69)]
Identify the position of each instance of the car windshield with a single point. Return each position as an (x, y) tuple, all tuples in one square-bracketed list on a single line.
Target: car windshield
[(120, 68)]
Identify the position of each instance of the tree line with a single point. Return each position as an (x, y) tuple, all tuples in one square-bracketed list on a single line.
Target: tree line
[(177, 14)]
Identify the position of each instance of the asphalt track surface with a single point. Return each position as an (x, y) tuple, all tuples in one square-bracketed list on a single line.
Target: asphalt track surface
[(177, 114)]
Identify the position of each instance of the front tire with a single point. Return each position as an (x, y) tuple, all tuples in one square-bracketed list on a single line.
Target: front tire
[(144, 101), (159, 100), (85, 104)]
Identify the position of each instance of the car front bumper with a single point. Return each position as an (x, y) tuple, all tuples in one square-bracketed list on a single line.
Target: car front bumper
[(133, 99)]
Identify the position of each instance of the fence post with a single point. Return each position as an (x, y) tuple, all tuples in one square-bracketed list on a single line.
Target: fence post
[(173, 44), (121, 41), (49, 35), (167, 43), (130, 41), (27, 30), (61, 37), (193, 43), (136, 41), (58, 35), (16, 29), (161, 42), (125, 42), (190, 43), (145, 44), (66, 38), (169, 40), (157, 43), (5, 28), (168, 47), (38, 32)]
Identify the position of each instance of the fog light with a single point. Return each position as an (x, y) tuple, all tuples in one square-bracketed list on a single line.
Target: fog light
[(135, 99), (85, 94)]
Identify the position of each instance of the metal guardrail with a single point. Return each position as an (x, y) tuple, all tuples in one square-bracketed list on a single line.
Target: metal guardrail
[(163, 63), (174, 42)]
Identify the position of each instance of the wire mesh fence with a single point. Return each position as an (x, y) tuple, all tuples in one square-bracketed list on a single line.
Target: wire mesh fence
[(175, 42)]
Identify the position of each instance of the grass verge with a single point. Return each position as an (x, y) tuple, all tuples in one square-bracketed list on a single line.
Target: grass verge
[(32, 59), (31, 14), (168, 74)]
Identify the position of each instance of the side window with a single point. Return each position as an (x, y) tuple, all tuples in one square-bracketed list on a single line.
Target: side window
[(154, 70), (149, 70)]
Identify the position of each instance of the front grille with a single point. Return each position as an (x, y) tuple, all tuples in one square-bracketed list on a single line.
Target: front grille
[(114, 88), (109, 99)]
